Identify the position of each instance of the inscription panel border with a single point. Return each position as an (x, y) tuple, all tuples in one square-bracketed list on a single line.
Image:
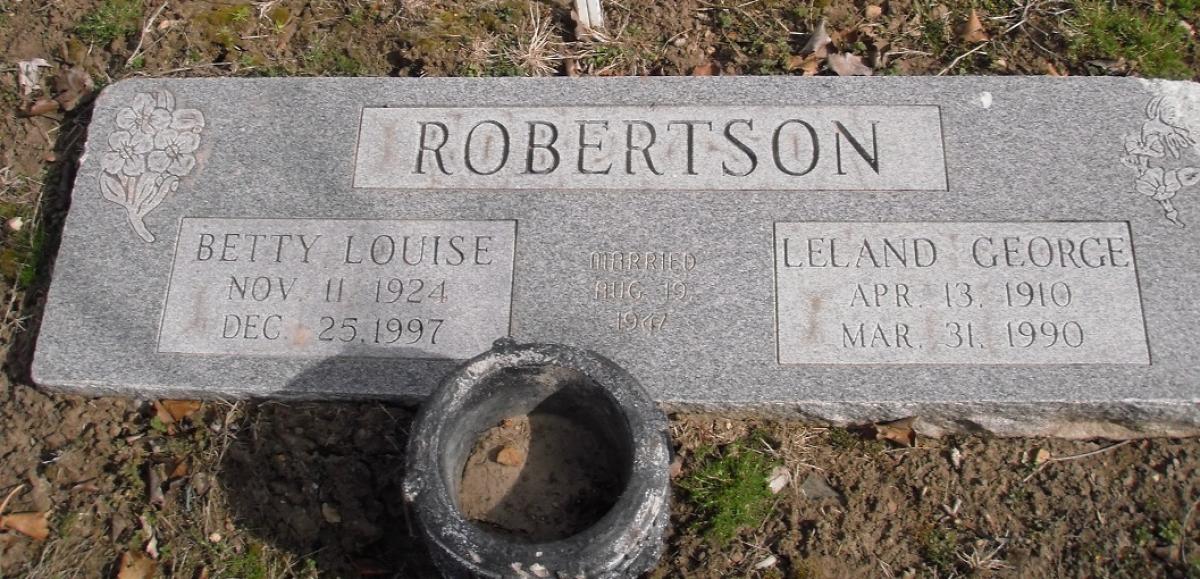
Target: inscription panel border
[(775, 301), (941, 127), (175, 255)]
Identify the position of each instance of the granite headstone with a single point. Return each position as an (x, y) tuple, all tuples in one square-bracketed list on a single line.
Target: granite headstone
[(1017, 255)]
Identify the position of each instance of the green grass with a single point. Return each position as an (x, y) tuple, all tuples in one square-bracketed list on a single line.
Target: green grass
[(1153, 42), (321, 60), (728, 487), (938, 548), (113, 19)]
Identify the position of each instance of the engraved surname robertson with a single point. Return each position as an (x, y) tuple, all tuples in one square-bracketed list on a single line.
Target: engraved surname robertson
[(679, 147), (957, 293)]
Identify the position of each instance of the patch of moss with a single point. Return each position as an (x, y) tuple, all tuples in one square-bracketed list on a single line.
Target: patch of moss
[(113, 19), (1153, 42), (729, 488)]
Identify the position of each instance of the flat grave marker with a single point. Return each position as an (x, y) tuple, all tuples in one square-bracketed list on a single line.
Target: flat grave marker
[(1009, 254)]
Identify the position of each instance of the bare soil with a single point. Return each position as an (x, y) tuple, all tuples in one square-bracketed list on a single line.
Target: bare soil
[(540, 477), (264, 489)]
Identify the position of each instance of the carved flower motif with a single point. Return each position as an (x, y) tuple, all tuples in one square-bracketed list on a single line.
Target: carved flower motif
[(173, 152), (127, 153), (1160, 184), (1143, 148), (144, 116)]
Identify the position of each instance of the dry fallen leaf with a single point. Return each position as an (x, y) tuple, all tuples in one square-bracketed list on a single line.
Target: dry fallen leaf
[(898, 431), (972, 30), (29, 74), (873, 11), (818, 41), (1050, 70), (846, 64), (135, 565), (43, 107), (330, 514), (181, 470), (779, 478), (806, 64), (676, 468), (172, 411), (706, 69), (154, 483), (815, 487), (767, 563), (509, 456), (14, 224), (73, 87), (1040, 456), (33, 525)]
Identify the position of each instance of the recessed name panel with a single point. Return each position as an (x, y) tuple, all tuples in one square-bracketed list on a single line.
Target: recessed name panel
[(323, 287), (958, 293), (874, 148)]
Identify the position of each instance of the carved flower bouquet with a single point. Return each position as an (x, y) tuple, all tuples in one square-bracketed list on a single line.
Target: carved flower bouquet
[(153, 149), (1164, 136)]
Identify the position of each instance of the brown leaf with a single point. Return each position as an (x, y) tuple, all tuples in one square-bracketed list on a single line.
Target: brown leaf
[(1049, 69), (898, 431), (154, 483), (330, 514), (972, 30), (509, 456), (846, 64), (181, 470), (33, 525), (807, 64), (1040, 456), (135, 565), (706, 69), (43, 107), (873, 11), (74, 87), (172, 411), (676, 468), (817, 41)]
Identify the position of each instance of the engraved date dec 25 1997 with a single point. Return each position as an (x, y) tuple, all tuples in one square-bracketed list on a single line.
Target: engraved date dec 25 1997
[(307, 287), (958, 293)]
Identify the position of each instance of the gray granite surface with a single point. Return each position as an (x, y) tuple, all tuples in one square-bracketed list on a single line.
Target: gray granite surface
[(1015, 255)]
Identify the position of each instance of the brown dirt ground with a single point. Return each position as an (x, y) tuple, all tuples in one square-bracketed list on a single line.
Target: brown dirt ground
[(299, 490), (540, 477)]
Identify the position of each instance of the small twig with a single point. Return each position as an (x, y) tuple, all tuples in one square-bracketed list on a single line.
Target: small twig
[(1187, 520), (1087, 454), (1074, 457), (960, 58), (11, 494), (137, 51)]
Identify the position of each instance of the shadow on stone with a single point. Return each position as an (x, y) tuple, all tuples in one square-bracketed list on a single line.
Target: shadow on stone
[(324, 481)]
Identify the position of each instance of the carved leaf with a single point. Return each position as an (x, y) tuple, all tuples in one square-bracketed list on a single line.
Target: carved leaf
[(164, 99), (187, 120), (145, 192), (111, 188), (159, 194)]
